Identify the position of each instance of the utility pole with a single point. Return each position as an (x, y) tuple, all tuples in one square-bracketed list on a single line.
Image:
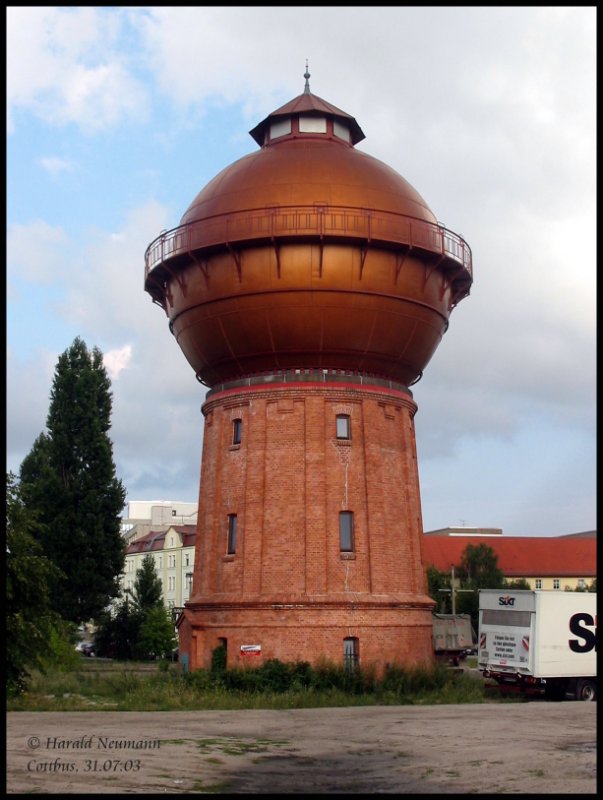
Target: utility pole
[(453, 590)]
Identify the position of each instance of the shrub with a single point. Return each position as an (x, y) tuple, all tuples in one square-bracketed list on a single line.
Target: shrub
[(61, 654)]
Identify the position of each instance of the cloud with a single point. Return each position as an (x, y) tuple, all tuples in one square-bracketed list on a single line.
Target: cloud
[(65, 65), (488, 112), (28, 382), (36, 252), (117, 360), (54, 165), (156, 424)]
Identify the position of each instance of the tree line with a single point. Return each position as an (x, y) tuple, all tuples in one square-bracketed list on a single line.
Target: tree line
[(65, 551)]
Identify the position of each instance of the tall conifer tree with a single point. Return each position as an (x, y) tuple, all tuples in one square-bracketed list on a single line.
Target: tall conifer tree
[(147, 589), (69, 479)]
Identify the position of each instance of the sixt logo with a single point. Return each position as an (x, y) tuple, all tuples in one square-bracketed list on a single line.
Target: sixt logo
[(506, 601), (587, 639)]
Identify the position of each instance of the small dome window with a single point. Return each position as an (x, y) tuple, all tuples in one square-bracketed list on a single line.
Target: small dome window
[(280, 127), (340, 130), (312, 125)]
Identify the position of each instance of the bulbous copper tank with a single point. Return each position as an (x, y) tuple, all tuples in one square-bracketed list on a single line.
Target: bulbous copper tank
[(308, 254)]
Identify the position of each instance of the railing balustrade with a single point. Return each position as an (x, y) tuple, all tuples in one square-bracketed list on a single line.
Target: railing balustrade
[(292, 221)]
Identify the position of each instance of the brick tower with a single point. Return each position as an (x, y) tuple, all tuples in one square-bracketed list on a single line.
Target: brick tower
[(308, 285)]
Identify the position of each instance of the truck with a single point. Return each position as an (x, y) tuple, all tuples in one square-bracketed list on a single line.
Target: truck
[(539, 642), (453, 637)]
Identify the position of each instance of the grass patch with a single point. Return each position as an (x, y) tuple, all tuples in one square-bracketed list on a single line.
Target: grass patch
[(275, 685)]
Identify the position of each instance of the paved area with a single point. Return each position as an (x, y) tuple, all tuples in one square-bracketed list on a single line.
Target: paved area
[(538, 747)]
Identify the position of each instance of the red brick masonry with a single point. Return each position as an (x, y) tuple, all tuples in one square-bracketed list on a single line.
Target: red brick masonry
[(288, 588)]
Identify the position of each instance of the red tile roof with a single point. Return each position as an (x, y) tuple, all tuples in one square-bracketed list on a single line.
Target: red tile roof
[(519, 556), (155, 540)]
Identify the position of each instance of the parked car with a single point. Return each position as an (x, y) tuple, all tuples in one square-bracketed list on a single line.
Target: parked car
[(86, 649)]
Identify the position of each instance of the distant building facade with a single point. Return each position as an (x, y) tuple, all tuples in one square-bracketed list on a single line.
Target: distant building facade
[(143, 516), (173, 552), (555, 563), (462, 530)]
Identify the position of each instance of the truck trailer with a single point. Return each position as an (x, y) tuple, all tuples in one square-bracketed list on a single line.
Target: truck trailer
[(453, 637), (539, 641)]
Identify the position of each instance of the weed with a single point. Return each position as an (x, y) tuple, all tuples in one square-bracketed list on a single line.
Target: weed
[(127, 686)]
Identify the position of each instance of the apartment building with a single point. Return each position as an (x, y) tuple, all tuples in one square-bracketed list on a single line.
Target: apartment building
[(173, 551)]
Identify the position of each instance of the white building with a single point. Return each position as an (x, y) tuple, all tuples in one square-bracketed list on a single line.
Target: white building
[(143, 516), (173, 551)]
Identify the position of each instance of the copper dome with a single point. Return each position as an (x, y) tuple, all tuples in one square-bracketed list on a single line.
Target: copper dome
[(308, 254)]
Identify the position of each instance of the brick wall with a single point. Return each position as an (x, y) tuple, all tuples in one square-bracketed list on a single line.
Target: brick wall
[(287, 481)]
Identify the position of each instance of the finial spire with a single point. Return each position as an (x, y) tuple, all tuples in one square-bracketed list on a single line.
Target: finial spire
[(307, 77)]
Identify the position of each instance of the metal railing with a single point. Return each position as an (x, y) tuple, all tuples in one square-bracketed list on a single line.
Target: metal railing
[(309, 375), (290, 222)]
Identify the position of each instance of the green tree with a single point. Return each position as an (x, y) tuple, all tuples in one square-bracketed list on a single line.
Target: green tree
[(135, 627), (156, 637), (438, 588), (29, 619), (69, 480), (478, 570), (117, 631), (517, 583), (147, 590)]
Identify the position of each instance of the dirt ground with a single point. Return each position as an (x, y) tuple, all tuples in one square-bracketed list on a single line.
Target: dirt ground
[(538, 747)]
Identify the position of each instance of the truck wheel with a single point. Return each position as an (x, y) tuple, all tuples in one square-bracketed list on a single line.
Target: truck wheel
[(586, 689)]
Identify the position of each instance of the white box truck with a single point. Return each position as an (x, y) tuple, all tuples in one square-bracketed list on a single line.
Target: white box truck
[(539, 641)]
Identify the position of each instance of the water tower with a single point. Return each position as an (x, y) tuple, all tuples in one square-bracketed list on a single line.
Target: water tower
[(308, 285)]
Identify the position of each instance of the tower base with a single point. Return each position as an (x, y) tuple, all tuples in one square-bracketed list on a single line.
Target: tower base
[(309, 527)]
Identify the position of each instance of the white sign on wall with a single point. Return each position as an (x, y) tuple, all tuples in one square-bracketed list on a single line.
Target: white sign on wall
[(251, 649)]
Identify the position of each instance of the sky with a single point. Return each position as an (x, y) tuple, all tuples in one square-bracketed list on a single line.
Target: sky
[(118, 116)]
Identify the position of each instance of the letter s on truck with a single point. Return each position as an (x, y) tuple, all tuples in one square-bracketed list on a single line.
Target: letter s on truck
[(589, 637)]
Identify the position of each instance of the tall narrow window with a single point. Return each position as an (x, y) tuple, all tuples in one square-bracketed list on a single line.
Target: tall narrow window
[(346, 531), (237, 427), (342, 426), (351, 652), (232, 534)]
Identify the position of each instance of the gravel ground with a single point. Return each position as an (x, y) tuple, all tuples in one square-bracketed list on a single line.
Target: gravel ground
[(537, 747)]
